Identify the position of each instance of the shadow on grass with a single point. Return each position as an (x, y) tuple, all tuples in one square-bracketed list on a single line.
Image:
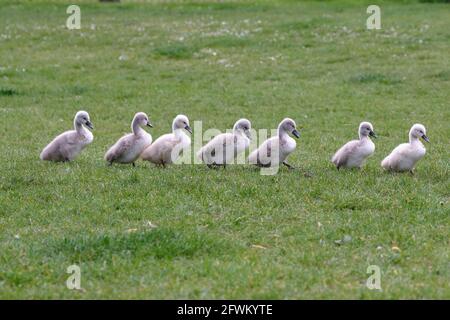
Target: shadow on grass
[(302, 24), (75, 89), (220, 6), (442, 75), (375, 78), (8, 92), (158, 243), (176, 51), (187, 51)]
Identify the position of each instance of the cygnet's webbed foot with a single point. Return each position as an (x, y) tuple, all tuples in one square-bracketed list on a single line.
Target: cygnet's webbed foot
[(212, 165), (307, 174), (390, 171)]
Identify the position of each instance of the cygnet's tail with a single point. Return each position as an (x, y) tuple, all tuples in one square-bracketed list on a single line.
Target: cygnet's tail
[(385, 163), (109, 155)]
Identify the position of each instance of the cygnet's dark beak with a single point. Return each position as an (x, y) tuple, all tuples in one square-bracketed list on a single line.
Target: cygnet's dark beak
[(425, 138), (188, 129), (149, 124), (373, 134), (89, 125), (296, 133)]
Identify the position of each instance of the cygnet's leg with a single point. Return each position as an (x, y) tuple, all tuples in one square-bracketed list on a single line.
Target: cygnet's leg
[(134, 164), (224, 157), (411, 172), (109, 163), (288, 165)]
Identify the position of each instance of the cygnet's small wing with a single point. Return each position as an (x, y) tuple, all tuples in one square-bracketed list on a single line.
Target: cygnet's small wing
[(263, 155), (122, 146), (341, 156), (56, 149)]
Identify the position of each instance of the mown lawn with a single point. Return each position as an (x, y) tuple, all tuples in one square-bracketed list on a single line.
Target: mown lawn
[(224, 233)]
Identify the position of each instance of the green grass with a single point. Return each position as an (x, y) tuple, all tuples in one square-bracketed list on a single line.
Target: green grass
[(224, 233)]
